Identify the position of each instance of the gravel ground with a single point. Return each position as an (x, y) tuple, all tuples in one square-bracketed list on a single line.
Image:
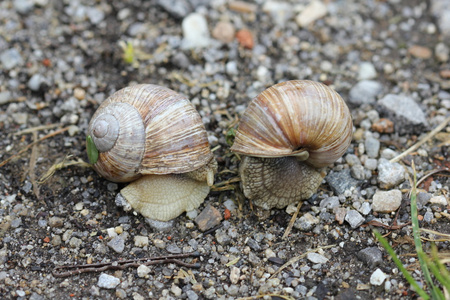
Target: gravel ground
[(60, 59)]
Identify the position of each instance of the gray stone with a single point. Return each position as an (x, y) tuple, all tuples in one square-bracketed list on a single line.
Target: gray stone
[(95, 15), (406, 114), (208, 218), (341, 181), (428, 217), (5, 97), (372, 147), (371, 164), (195, 32), (117, 244), (174, 249), (377, 277), (107, 281), (316, 258), (306, 222), (441, 10), (254, 245), (352, 160), (388, 153), (354, 218), (372, 256), (366, 71), (365, 208), (176, 8), (160, 226), (330, 202), (358, 172), (365, 92), (389, 174), (386, 201), (35, 82), (23, 6), (10, 58), (423, 199)]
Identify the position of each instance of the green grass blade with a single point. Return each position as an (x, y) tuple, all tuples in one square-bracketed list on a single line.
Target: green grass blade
[(399, 264), (416, 235)]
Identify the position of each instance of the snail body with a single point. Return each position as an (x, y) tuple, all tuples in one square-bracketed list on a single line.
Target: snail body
[(154, 137), (288, 134)]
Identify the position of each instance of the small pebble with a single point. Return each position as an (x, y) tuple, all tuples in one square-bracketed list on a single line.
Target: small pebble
[(208, 218), (306, 222), (354, 218), (372, 146), (107, 281), (377, 277), (366, 71), (372, 256), (245, 38), (316, 258), (143, 271), (313, 11), (224, 32), (140, 241), (235, 273), (10, 58), (386, 201), (420, 52), (195, 32), (406, 114), (365, 92), (117, 244), (390, 174)]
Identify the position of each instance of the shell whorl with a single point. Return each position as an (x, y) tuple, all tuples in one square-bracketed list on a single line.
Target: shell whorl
[(160, 132), (294, 115)]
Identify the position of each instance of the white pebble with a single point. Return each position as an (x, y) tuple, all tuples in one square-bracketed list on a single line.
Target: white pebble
[(107, 281), (377, 277)]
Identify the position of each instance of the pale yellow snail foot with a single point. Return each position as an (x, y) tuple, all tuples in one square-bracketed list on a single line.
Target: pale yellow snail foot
[(277, 182), (165, 197)]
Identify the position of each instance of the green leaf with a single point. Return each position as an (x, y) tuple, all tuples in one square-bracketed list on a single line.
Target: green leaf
[(92, 150)]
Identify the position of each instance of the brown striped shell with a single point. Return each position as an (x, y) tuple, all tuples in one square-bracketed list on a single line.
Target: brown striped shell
[(148, 129), (295, 116)]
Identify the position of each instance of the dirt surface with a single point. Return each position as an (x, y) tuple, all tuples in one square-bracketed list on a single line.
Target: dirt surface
[(60, 59)]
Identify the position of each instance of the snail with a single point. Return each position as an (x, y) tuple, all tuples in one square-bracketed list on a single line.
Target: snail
[(288, 135), (154, 138)]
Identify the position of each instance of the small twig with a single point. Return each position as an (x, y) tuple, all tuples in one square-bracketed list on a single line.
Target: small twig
[(297, 258), (422, 141), (18, 154), (33, 160), (430, 174), (65, 163), (121, 265), (37, 128), (291, 223)]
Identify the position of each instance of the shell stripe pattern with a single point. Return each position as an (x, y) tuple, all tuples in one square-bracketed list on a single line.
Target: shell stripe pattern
[(293, 115), (176, 140)]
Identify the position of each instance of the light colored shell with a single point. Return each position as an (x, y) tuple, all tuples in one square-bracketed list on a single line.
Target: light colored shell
[(154, 131), (294, 115)]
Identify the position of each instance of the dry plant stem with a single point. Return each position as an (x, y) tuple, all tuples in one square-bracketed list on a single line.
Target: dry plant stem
[(422, 141), (121, 265), (430, 174), (297, 258), (32, 144), (291, 223), (37, 128), (33, 160), (61, 165)]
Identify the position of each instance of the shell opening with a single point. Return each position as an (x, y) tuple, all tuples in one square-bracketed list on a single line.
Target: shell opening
[(300, 155), (105, 132)]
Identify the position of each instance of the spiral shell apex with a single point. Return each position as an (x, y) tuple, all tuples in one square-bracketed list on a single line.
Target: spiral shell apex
[(294, 117)]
